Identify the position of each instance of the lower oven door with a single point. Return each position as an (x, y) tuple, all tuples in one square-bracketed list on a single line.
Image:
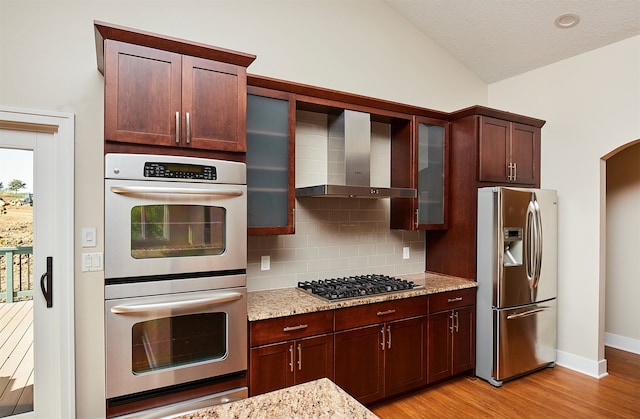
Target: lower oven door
[(162, 340)]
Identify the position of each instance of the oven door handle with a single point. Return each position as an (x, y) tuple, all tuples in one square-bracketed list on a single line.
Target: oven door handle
[(176, 305), (138, 190)]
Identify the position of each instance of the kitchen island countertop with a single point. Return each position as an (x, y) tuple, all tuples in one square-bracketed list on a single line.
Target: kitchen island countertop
[(268, 304), (316, 399)]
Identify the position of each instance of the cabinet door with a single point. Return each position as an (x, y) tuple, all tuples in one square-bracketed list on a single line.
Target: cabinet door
[(213, 105), (270, 162), (431, 173), (314, 358), (525, 154), (358, 361), (439, 346), (493, 153), (271, 367), (463, 345), (405, 355), (142, 94)]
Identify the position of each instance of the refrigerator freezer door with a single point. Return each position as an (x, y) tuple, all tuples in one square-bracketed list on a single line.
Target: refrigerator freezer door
[(526, 246), (525, 339)]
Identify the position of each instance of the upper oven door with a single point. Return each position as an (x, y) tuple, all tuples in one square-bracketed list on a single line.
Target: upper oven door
[(163, 228)]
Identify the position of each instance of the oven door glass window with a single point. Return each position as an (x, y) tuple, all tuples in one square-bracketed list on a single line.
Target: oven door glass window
[(178, 341), (159, 231)]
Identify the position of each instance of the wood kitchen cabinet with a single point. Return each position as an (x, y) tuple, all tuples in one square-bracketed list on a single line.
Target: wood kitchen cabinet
[(380, 348), (270, 161), (508, 152), (428, 174), (451, 328), (165, 92), (482, 143), (290, 350)]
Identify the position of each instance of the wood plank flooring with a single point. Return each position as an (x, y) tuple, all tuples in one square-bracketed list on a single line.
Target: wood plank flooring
[(16, 358), (550, 393)]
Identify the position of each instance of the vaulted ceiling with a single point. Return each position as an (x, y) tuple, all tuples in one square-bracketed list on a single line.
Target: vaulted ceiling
[(498, 39)]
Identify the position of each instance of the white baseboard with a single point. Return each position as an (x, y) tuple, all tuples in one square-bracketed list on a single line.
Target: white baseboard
[(622, 342), (596, 369)]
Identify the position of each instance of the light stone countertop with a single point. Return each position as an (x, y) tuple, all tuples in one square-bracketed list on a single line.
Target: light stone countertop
[(284, 302), (316, 399)]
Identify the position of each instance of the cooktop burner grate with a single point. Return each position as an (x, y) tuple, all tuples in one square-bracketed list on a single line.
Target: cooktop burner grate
[(356, 286)]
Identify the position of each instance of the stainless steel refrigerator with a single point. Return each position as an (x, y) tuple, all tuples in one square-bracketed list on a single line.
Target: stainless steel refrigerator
[(517, 282)]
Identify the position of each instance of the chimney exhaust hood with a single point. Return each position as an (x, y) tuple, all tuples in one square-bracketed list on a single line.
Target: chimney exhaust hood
[(354, 128)]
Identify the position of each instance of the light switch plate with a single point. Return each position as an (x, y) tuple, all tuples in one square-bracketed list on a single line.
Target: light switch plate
[(89, 237), (92, 262)]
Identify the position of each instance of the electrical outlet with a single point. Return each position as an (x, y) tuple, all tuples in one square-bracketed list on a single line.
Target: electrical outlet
[(265, 263), (405, 253)]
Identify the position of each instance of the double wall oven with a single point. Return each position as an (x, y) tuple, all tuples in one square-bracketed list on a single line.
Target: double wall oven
[(175, 276)]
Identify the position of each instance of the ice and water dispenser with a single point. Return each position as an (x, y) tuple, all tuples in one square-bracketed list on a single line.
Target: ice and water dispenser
[(512, 243)]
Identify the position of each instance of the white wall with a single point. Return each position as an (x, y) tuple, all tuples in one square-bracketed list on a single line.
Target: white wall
[(591, 103), (48, 61), (622, 312)]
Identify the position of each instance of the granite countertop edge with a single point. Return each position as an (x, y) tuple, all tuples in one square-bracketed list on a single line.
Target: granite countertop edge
[(283, 302), (315, 399)]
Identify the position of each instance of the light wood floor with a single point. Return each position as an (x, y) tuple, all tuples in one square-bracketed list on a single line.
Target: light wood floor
[(550, 393), (16, 358)]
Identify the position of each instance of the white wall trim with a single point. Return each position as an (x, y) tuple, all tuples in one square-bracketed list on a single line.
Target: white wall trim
[(596, 369), (622, 342)]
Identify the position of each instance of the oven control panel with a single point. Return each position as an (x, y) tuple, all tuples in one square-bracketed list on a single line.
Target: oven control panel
[(179, 171)]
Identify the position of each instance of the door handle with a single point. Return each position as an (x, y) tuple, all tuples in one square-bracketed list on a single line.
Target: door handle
[(138, 190), (177, 305), (527, 313), (47, 277)]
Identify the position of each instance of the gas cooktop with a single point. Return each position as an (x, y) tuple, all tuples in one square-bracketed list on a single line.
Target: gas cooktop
[(356, 286)]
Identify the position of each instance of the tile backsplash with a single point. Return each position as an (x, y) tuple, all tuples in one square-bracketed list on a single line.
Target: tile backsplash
[(334, 237)]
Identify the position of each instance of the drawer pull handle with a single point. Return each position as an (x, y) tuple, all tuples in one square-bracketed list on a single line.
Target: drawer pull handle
[(292, 328), (384, 313), (454, 300)]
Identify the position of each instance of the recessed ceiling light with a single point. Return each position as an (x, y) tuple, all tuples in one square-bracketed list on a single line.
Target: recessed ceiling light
[(567, 20)]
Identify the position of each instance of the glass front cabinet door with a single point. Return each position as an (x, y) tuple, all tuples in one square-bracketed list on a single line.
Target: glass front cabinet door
[(431, 144), (270, 162)]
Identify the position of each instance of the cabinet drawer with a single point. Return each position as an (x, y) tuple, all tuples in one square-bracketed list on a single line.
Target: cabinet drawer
[(292, 327), (348, 318), (452, 299)]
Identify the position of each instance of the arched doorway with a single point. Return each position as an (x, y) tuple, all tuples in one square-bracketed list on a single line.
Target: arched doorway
[(622, 244)]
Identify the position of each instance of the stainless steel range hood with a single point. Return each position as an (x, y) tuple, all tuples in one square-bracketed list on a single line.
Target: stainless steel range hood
[(354, 130)]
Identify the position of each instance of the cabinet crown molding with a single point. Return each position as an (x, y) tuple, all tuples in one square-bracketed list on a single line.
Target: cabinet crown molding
[(152, 40)]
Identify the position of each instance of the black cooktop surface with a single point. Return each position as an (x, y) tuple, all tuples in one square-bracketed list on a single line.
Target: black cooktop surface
[(356, 286)]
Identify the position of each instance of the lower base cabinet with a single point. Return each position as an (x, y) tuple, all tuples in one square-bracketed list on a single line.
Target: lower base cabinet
[(372, 351), (381, 360), (451, 339), (291, 350), (289, 363), (375, 360)]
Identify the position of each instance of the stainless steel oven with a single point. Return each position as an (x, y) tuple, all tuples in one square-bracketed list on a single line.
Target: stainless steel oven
[(163, 333), (170, 214), (175, 278)]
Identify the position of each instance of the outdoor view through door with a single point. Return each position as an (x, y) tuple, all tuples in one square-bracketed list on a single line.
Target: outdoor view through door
[(16, 281)]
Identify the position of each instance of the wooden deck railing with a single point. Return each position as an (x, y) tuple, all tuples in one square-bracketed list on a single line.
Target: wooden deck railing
[(24, 273)]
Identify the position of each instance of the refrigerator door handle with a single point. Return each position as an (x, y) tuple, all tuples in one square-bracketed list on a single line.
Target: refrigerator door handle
[(529, 243), (527, 313), (538, 248)]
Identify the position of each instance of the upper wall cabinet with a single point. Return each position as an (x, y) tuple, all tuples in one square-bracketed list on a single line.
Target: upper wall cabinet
[(166, 92), (270, 161), (509, 152), (487, 147), (425, 161)]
